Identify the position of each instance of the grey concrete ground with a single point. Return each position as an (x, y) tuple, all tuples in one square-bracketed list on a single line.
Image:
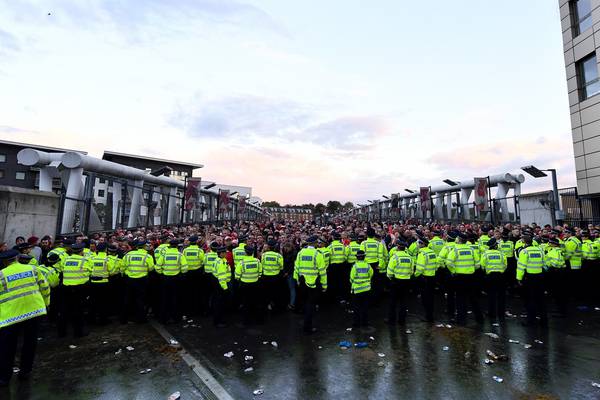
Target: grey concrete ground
[(414, 366)]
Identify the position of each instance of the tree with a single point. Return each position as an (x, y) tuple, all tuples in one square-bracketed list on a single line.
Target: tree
[(348, 205), (333, 206), (320, 209), (270, 204)]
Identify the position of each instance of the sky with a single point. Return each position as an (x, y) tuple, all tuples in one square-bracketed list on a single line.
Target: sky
[(305, 101)]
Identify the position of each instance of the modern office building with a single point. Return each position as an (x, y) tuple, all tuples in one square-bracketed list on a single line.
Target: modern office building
[(14, 174), (580, 21)]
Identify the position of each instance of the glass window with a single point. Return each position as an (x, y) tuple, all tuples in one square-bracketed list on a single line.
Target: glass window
[(581, 11), (20, 176), (2, 157), (589, 82), (100, 193), (101, 180)]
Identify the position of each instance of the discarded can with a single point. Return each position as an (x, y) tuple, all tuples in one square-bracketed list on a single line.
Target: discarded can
[(408, 331), (498, 379), (371, 338), (527, 346), (145, 371), (492, 335), (40, 339), (248, 358), (348, 329), (496, 324), (445, 348), (228, 354), (448, 326), (130, 348), (361, 345), (16, 370), (173, 342), (245, 350), (513, 341), (596, 308), (72, 346), (538, 341), (258, 392), (265, 342), (381, 355), (274, 344), (596, 384), (174, 396), (320, 347), (104, 342), (118, 352), (439, 325), (488, 361), (249, 369)]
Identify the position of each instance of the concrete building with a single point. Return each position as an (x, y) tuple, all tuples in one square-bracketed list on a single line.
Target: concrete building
[(16, 175), (580, 21)]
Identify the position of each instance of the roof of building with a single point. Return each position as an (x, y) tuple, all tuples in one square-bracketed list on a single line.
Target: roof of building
[(187, 164), (39, 147)]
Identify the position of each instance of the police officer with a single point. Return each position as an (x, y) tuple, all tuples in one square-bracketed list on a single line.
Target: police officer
[(272, 265), (102, 268), (493, 263), (360, 280), (171, 264), (462, 263), (136, 265), (400, 271), (530, 266), (373, 256), (445, 276), (426, 267), (338, 269), (220, 275), (248, 271), (308, 267), (556, 269), (194, 280), (24, 294), (76, 271)]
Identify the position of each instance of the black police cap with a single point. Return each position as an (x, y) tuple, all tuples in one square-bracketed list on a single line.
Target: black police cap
[(9, 254)]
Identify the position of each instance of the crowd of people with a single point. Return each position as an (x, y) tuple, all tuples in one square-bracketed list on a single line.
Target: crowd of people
[(257, 269)]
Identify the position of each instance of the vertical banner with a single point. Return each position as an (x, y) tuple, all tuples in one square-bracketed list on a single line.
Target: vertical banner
[(192, 194), (223, 200), (425, 197), (481, 194), (241, 204), (395, 199)]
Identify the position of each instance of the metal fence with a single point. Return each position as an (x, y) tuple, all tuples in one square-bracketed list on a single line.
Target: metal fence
[(110, 203), (579, 210)]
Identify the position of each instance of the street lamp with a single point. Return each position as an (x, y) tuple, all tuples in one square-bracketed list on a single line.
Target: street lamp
[(209, 186), (450, 182), (385, 197), (409, 191), (234, 193), (539, 173)]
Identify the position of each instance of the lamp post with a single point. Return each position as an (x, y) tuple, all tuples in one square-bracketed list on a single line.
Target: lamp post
[(557, 214)]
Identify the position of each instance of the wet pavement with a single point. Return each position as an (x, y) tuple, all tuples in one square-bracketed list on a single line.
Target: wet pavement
[(431, 362), (92, 370)]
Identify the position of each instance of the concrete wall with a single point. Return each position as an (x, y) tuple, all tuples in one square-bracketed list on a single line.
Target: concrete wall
[(585, 114), (532, 210), (27, 212)]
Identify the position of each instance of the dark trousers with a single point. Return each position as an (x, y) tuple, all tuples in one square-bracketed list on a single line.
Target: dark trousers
[(588, 285), (510, 274), (99, 302), (251, 301), (169, 298), (397, 308), (135, 296), (557, 279), (8, 347), (192, 285), (360, 305), (71, 309), (308, 297), (496, 291), (533, 289), (272, 291), (447, 286), (377, 283), (466, 290), (217, 301), (427, 296)]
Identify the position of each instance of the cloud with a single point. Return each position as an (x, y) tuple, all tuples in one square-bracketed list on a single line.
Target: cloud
[(15, 131), (132, 17), (8, 43), (249, 118)]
